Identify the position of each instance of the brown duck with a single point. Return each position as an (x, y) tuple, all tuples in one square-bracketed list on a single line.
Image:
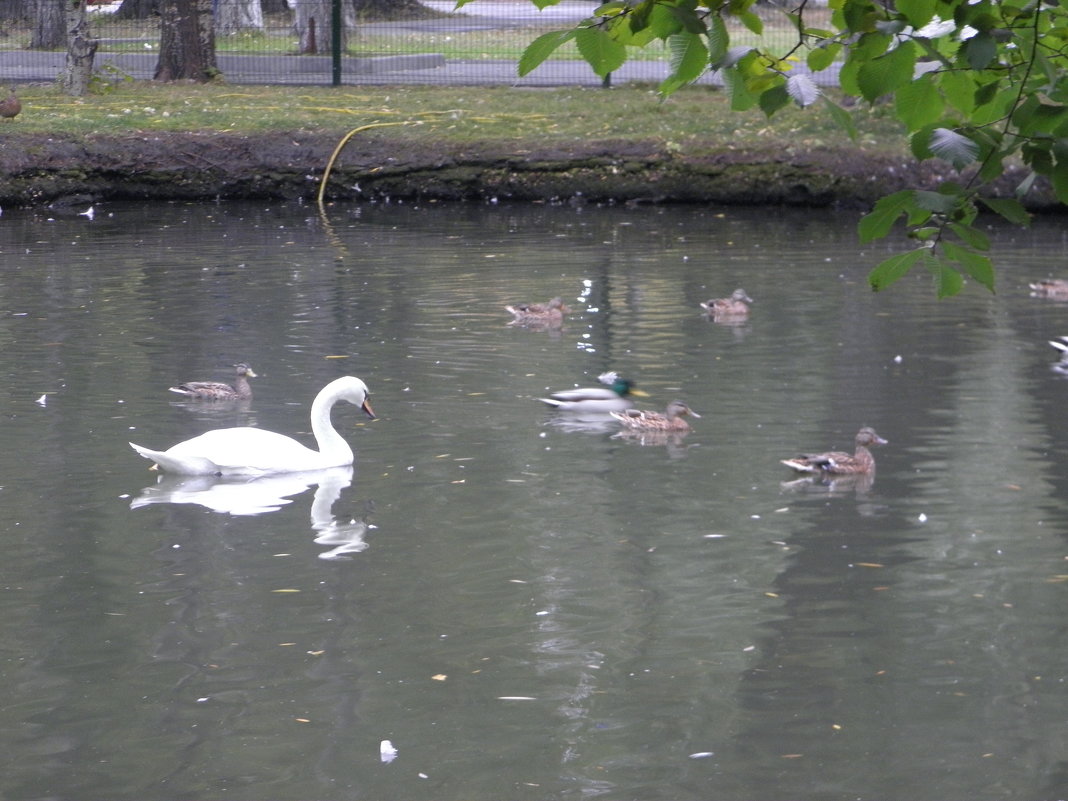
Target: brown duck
[(10, 106), (838, 462), (549, 314), (1056, 288), (672, 419), (737, 305), (216, 390)]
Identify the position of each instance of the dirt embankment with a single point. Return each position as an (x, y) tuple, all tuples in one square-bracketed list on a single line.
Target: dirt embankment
[(39, 170)]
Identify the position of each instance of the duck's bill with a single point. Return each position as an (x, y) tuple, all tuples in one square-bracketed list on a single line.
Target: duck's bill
[(639, 393)]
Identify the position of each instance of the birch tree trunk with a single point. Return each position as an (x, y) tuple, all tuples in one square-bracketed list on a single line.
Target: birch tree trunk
[(81, 48), (233, 16)]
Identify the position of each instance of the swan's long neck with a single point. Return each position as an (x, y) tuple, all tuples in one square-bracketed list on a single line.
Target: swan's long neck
[(331, 444)]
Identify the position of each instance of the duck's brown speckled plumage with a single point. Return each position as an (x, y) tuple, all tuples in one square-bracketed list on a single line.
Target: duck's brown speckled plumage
[(216, 390), (838, 462), (539, 314), (737, 305), (672, 419), (10, 106)]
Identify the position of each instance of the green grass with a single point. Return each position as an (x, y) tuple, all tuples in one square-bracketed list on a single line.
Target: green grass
[(692, 119)]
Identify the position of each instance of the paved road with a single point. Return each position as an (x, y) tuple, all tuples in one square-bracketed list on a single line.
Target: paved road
[(426, 69)]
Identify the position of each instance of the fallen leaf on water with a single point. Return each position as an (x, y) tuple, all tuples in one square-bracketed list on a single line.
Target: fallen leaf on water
[(302, 720), (286, 590), (316, 653), (792, 756), (868, 564), (339, 356), (439, 677)]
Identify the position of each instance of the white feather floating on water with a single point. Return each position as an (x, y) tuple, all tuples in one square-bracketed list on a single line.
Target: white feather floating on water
[(386, 751)]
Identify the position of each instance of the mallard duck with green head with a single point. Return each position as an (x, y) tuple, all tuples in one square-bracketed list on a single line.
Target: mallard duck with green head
[(615, 396)]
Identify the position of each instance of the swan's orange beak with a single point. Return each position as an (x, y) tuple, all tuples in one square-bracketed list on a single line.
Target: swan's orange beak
[(366, 406)]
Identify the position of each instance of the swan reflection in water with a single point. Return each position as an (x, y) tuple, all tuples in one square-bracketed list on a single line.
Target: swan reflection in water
[(255, 496)]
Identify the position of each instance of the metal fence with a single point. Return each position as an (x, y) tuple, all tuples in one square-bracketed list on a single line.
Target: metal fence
[(480, 44)]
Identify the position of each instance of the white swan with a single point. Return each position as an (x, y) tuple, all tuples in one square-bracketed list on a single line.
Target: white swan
[(255, 452)]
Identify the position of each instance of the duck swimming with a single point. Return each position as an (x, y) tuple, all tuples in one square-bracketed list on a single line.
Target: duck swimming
[(254, 452), (839, 462), (1056, 288), (734, 306), (549, 315), (216, 390), (672, 419), (614, 397)]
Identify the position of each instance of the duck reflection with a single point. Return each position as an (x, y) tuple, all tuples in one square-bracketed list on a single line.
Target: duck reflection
[(859, 483), (255, 496)]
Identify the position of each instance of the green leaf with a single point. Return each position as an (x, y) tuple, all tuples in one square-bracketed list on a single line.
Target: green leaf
[(957, 149), (820, 58), (687, 18), (920, 143), (1059, 179), (741, 98), (773, 99), (600, 50), (971, 236), (948, 282), (980, 50), (718, 39), (751, 21), (958, 87), (975, 264), (918, 103), (689, 56), (890, 270), (877, 223), (541, 48), (937, 202), (886, 74), (917, 12)]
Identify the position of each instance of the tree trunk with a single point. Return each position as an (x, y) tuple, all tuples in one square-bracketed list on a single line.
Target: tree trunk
[(233, 16), (312, 24), (81, 47), (15, 11), (186, 42), (49, 25)]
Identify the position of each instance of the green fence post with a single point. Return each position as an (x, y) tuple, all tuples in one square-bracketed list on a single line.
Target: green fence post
[(335, 41)]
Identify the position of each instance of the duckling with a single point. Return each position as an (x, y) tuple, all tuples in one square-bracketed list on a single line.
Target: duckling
[(838, 462), (672, 419), (548, 315), (216, 390), (734, 306), (614, 397), (10, 106)]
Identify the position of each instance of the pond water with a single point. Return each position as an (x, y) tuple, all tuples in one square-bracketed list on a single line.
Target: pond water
[(527, 608)]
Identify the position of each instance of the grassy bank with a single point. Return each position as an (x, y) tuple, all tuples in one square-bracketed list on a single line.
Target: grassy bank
[(697, 117)]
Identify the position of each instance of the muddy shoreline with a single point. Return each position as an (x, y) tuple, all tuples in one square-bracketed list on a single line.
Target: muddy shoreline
[(40, 170)]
